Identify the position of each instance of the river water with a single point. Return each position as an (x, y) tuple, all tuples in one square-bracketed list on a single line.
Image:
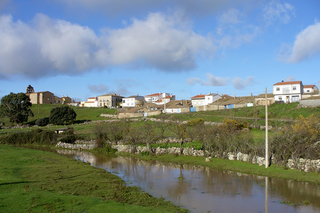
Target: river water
[(201, 189)]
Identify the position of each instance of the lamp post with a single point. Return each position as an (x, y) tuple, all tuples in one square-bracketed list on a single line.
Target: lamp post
[(267, 142)]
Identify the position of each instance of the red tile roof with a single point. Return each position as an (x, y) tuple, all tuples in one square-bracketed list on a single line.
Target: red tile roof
[(156, 94), (198, 97), (288, 82), (309, 86)]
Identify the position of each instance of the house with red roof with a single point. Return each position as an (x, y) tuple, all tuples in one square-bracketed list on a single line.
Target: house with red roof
[(288, 92), (156, 98), (91, 102), (203, 100), (310, 89)]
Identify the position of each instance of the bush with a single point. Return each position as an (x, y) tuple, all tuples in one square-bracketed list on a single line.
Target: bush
[(70, 138), (37, 136), (42, 121), (62, 115), (300, 140)]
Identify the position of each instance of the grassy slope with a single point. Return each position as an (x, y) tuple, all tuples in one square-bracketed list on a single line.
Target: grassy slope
[(83, 113), (276, 111), (38, 181)]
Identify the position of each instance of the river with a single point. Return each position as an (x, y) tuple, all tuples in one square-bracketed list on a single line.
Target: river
[(201, 189)]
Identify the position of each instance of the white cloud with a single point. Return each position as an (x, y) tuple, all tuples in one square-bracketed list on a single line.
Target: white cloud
[(49, 47), (233, 30), (306, 45), (46, 47), (101, 88), (210, 81), (290, 78), (277, 12), (232, 16), (159, 42), (104, 89), (240, 83)]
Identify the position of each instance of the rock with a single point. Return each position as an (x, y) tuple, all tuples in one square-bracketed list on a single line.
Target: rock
[(207, 160)]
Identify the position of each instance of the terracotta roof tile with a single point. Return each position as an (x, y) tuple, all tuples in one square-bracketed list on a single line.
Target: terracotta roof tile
[(288, 82), (156, 94), (308, 86), (198, 97)]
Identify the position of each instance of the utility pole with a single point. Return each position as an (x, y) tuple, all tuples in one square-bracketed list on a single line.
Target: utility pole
[(267, 143)]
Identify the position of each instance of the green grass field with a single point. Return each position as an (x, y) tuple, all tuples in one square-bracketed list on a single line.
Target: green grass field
[(39, 181), (83, 113)]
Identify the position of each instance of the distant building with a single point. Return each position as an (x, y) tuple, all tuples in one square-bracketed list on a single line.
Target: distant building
[(133, 101), (310, 89), (109, 100), (288, 92), (44, 97), (91, 102), (203, 100), (152, 98)]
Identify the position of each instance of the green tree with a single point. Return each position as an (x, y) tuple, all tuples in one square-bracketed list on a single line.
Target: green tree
[(16, 107), (62, 115)]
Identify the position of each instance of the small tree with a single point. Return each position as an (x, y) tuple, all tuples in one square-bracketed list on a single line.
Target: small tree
[(62, 115), (16, 107)]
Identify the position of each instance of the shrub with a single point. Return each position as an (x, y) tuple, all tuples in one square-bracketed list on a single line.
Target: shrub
[(196, 122), (42, 121), (62, 115), (68, 138), (299, 140), (38, 136)]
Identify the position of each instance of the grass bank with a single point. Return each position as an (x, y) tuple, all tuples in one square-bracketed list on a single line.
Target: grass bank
[(237, 166), (39, 181)]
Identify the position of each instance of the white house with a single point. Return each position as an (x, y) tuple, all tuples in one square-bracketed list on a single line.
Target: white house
[(166, 100), (152, 98), (91, 102), (288, 92), (310, 89), (132, 101), (202, 100)]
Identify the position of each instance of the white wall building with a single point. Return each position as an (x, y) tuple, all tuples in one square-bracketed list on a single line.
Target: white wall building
[(91, 102), (202, 100), (166, 100), (288, 92), (132, 101), (310, 89), (152, 98)]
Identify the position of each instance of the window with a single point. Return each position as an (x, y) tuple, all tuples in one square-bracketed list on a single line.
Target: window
[(278, 88), (308, 90), (123, 101), (294, 88), (280, 98)]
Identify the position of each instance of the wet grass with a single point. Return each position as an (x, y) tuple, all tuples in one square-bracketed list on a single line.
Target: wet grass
[(39, 181), (237, 166)]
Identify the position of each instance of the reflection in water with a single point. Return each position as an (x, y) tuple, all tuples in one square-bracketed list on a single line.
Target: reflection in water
[(202, 189)]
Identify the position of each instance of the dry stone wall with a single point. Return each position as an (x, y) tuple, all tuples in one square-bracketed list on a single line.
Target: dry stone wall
[(306, 165)]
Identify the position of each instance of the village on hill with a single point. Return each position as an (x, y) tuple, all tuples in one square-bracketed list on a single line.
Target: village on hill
[(157, 103)]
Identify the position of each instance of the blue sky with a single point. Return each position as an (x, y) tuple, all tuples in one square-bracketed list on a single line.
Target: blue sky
[(83, 48)]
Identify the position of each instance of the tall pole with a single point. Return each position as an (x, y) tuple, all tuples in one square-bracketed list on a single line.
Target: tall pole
[(266, 194), (267, 143)]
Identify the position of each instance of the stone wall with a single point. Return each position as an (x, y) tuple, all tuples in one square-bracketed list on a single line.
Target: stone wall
[(306, 165), (310, 103), (109, 116)]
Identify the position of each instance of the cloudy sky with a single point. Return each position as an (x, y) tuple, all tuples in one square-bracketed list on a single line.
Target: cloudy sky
[(85, 48)]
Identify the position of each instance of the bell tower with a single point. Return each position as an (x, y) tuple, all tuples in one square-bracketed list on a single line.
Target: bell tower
[(29, 89)]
